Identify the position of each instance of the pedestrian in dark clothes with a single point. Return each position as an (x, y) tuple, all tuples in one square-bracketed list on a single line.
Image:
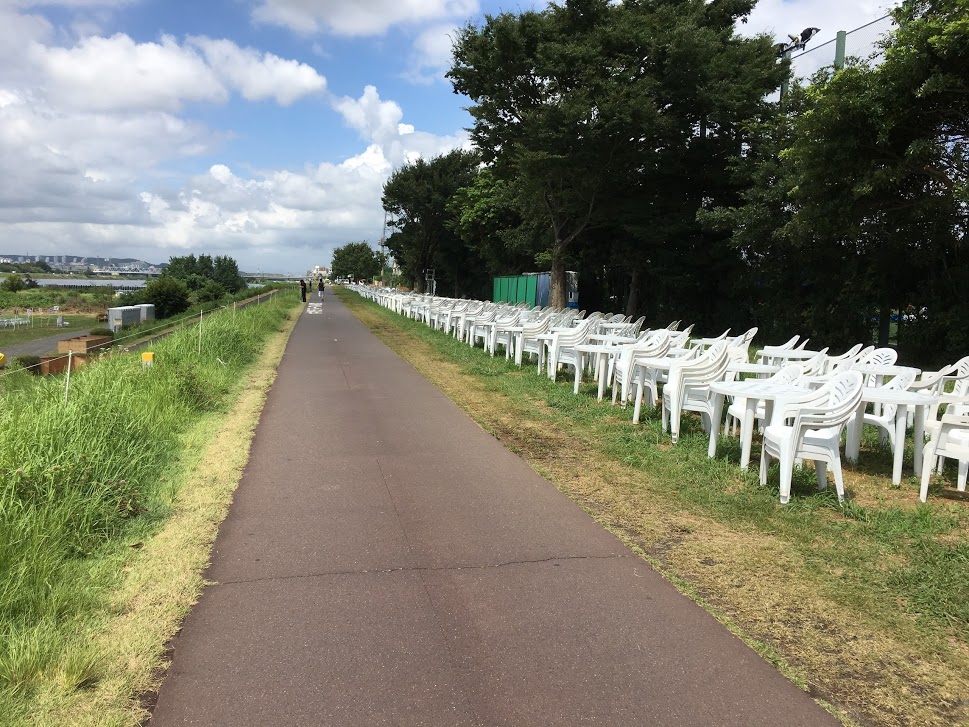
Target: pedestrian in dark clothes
[(302, 290), (319, 288)]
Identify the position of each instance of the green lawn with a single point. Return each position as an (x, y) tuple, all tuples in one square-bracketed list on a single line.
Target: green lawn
[(44, 326)]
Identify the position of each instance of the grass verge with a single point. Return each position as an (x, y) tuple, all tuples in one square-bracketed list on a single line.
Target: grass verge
[(865, 606), (109, 505)]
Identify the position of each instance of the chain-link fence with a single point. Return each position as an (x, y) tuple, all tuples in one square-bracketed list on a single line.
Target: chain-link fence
[(862, 42)]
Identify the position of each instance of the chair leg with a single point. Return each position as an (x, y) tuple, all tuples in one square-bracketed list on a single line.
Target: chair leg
[(839, 483), (928, 460), (787, 473), (963, 472), (763, 466), (821, 469)]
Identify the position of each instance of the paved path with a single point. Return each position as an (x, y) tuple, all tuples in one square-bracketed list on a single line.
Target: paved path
[(39, 346), (387, 562)]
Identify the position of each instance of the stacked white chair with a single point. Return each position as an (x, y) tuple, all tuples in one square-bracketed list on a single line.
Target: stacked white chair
[(688, 387), (815, 434)]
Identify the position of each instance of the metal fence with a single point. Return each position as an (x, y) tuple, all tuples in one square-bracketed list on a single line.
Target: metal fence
[(862, 42)]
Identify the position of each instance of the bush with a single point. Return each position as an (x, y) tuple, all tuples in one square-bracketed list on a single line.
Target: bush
[(101, 332), (31, 363), (169, 296), (210, 292)]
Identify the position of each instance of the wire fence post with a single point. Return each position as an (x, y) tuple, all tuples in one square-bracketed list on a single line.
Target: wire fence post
[(67, 383), (200, 331), (841, 43)]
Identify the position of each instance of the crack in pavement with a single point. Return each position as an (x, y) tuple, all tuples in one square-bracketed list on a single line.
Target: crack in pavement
[(418, 569)]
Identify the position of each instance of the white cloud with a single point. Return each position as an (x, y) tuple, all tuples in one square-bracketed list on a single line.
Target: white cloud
[(116, 73), (431, 54), (90, 128), (379, 122), (260, 76), (358, 17)]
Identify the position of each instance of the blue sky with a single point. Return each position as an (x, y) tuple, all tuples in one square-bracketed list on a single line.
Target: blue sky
[(262, 129)]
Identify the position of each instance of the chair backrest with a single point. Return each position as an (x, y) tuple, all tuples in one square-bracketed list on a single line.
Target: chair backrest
[(880, 357), (744, 339), (803, 344), (786, 345), (577, 335), (901, 382), (838, 399), (789, 374), (655, 344), (817, 364), (960, 372)]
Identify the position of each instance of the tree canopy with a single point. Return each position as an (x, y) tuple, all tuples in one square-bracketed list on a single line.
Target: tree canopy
[(356, 260), (640, 144)]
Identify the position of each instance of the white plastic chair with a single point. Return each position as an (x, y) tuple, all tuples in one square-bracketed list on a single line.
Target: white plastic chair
[(655, 344), (789, 374), (948, 438), (561, 349), (846, 360), (815, 433), (688, 387), (885, 419)]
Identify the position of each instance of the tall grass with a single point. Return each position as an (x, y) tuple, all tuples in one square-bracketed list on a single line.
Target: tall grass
[(77, 476)]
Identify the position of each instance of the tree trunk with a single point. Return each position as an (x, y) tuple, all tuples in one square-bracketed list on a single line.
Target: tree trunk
[(557, 292), (418, 284), (884, 325), (632, 299)]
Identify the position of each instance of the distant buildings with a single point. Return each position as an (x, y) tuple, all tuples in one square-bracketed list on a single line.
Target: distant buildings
[(80, 264)]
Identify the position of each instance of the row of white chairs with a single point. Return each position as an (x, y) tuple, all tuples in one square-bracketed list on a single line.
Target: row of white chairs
[(637, 362)]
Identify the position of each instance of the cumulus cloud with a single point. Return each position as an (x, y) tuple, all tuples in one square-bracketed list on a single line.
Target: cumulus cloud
[(379, 122), (360, 17), (118, 73), (431, 54), (260, 76)]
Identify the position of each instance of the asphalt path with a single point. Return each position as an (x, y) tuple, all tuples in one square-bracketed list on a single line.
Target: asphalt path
[(39, 346), (388, 562)]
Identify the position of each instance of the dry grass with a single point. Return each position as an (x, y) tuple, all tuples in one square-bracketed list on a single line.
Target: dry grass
[(867, 666), (161, 575)]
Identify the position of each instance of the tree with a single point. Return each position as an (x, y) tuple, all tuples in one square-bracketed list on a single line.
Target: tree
[(226, 273), (597, 111), (16, 282), (210, 292), (356, 260), (562, 110), (418, 197), (169, 296)]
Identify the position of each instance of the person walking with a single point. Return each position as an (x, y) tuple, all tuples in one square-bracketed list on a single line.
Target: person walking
[(319, 288), (302, 290)]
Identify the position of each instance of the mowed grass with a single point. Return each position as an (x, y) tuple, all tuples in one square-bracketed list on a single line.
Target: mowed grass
[(43, 327), (865, 606), (89, 491)]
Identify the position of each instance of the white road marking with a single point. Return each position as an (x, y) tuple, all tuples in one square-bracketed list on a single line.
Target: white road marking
[(314, 309)]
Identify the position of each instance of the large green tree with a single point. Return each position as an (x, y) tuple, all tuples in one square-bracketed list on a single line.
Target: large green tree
[(563, 110), (418, 198), (855, 200), (356, 261), (602, 114)]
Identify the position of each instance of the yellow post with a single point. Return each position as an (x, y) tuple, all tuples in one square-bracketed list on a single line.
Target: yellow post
[(147, 358)]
